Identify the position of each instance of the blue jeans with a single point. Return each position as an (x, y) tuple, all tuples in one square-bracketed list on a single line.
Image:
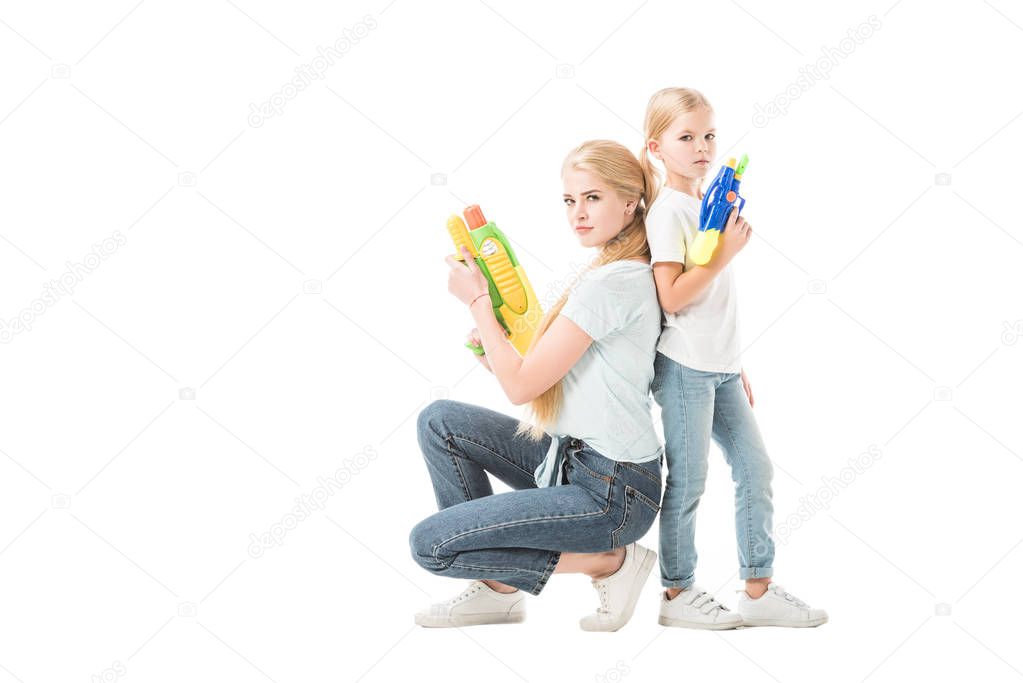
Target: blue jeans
[(696, 406), (517, 537)]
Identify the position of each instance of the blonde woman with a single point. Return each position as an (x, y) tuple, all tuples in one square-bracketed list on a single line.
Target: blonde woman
[(587, 470), (700, 385)]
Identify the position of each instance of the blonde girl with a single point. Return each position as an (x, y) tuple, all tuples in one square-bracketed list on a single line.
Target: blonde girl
[(700, 385)]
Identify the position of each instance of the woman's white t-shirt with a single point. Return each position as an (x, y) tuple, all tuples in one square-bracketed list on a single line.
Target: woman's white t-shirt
[(705, 334), (606, 399)]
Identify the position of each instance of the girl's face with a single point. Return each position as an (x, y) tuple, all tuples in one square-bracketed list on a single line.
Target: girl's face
[(595, 211), (689, 144)]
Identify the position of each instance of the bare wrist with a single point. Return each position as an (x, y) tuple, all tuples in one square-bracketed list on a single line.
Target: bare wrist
[(477, 298), (721, 262)]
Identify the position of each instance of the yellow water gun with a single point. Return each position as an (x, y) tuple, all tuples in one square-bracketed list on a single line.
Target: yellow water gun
[(514, 302)]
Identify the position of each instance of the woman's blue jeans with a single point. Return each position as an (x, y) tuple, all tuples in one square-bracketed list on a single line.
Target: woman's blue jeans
[(517, 537), (695, 407)]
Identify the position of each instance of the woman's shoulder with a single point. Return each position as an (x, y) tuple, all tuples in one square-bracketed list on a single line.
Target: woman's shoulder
[(620, 268), (623, 278)]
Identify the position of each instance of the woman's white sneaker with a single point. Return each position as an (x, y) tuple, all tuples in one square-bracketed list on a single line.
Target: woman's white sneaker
[(778, 607), (696, 608), (619, 592), (478, 604)]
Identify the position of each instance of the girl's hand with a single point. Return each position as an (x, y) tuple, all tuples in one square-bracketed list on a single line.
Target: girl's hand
[(465, 280), (474, 337), (736, 235), (747, 387)]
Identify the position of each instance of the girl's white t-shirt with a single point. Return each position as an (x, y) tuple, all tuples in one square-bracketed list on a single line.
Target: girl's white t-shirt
[(705, 334)]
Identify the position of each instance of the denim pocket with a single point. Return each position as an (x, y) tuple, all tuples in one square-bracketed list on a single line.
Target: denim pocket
[(592, 471), (639, 512), (644, 478)]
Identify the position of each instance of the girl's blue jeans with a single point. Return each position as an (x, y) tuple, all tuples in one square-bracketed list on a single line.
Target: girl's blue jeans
[(517, 537), (695, 407)]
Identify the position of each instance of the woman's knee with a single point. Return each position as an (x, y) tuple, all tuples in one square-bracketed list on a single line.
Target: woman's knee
[(423, 541), (430, 423)]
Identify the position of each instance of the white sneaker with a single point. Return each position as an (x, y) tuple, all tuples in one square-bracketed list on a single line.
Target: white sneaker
[(696, 608), (777, 607), (477, 604), (620, 591)]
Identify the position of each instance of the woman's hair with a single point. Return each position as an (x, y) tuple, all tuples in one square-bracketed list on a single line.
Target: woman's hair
[(618, 168), (664, 107)]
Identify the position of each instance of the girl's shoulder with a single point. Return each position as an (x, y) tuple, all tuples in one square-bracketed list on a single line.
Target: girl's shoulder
[(671, 200), (671, 212)]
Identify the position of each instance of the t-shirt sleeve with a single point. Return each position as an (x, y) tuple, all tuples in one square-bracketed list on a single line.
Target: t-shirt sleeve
[(665, 235), (595, 307)]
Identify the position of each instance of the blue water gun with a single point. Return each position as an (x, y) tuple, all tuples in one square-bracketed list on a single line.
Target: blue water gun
[(717, 205)]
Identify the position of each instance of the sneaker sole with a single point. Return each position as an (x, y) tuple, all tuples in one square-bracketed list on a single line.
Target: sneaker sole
[(634, 591), (785, 623), (469, 620), (682, 623)]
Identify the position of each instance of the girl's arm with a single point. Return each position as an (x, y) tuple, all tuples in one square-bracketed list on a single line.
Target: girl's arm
[(746, 386), (677, 287), (522, 379)]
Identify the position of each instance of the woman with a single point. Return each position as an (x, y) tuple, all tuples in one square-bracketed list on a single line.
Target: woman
[(587, 471)]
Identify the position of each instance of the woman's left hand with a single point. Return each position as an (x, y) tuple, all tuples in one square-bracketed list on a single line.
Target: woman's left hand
[(465, 280), (747, 387)]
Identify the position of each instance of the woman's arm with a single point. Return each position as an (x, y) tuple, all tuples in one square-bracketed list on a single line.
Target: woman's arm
[(523, 379)]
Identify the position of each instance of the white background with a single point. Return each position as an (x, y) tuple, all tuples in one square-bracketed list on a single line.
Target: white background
[(881, 308)]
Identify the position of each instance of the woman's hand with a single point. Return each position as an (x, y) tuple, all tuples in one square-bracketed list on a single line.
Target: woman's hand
[(474, 337), (465, 280), (747, 387)]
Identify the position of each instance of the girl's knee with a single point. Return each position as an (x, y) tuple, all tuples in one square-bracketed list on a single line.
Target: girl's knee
[(683, 490), (687, 476), (761, 473)]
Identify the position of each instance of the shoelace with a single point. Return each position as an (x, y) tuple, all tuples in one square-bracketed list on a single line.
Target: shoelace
[(464, 595), (605, 604)]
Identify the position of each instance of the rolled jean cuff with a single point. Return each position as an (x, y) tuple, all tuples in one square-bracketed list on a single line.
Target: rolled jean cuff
[(542, 581), (678, 583), (756, 572)]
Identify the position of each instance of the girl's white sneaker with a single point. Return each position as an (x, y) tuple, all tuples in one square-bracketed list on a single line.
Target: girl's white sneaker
[(619, 592), (478, 604), (696, 608), (778, 607)]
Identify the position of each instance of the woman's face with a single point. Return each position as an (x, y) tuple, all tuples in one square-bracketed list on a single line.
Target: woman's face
[(689, 144), (595, 212)]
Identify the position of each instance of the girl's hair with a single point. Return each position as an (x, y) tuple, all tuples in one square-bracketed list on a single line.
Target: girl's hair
[(616, 166), (664, 107)]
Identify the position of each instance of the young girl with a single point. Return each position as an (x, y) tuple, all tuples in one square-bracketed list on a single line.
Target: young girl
[(588, 490), (700, 385)]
